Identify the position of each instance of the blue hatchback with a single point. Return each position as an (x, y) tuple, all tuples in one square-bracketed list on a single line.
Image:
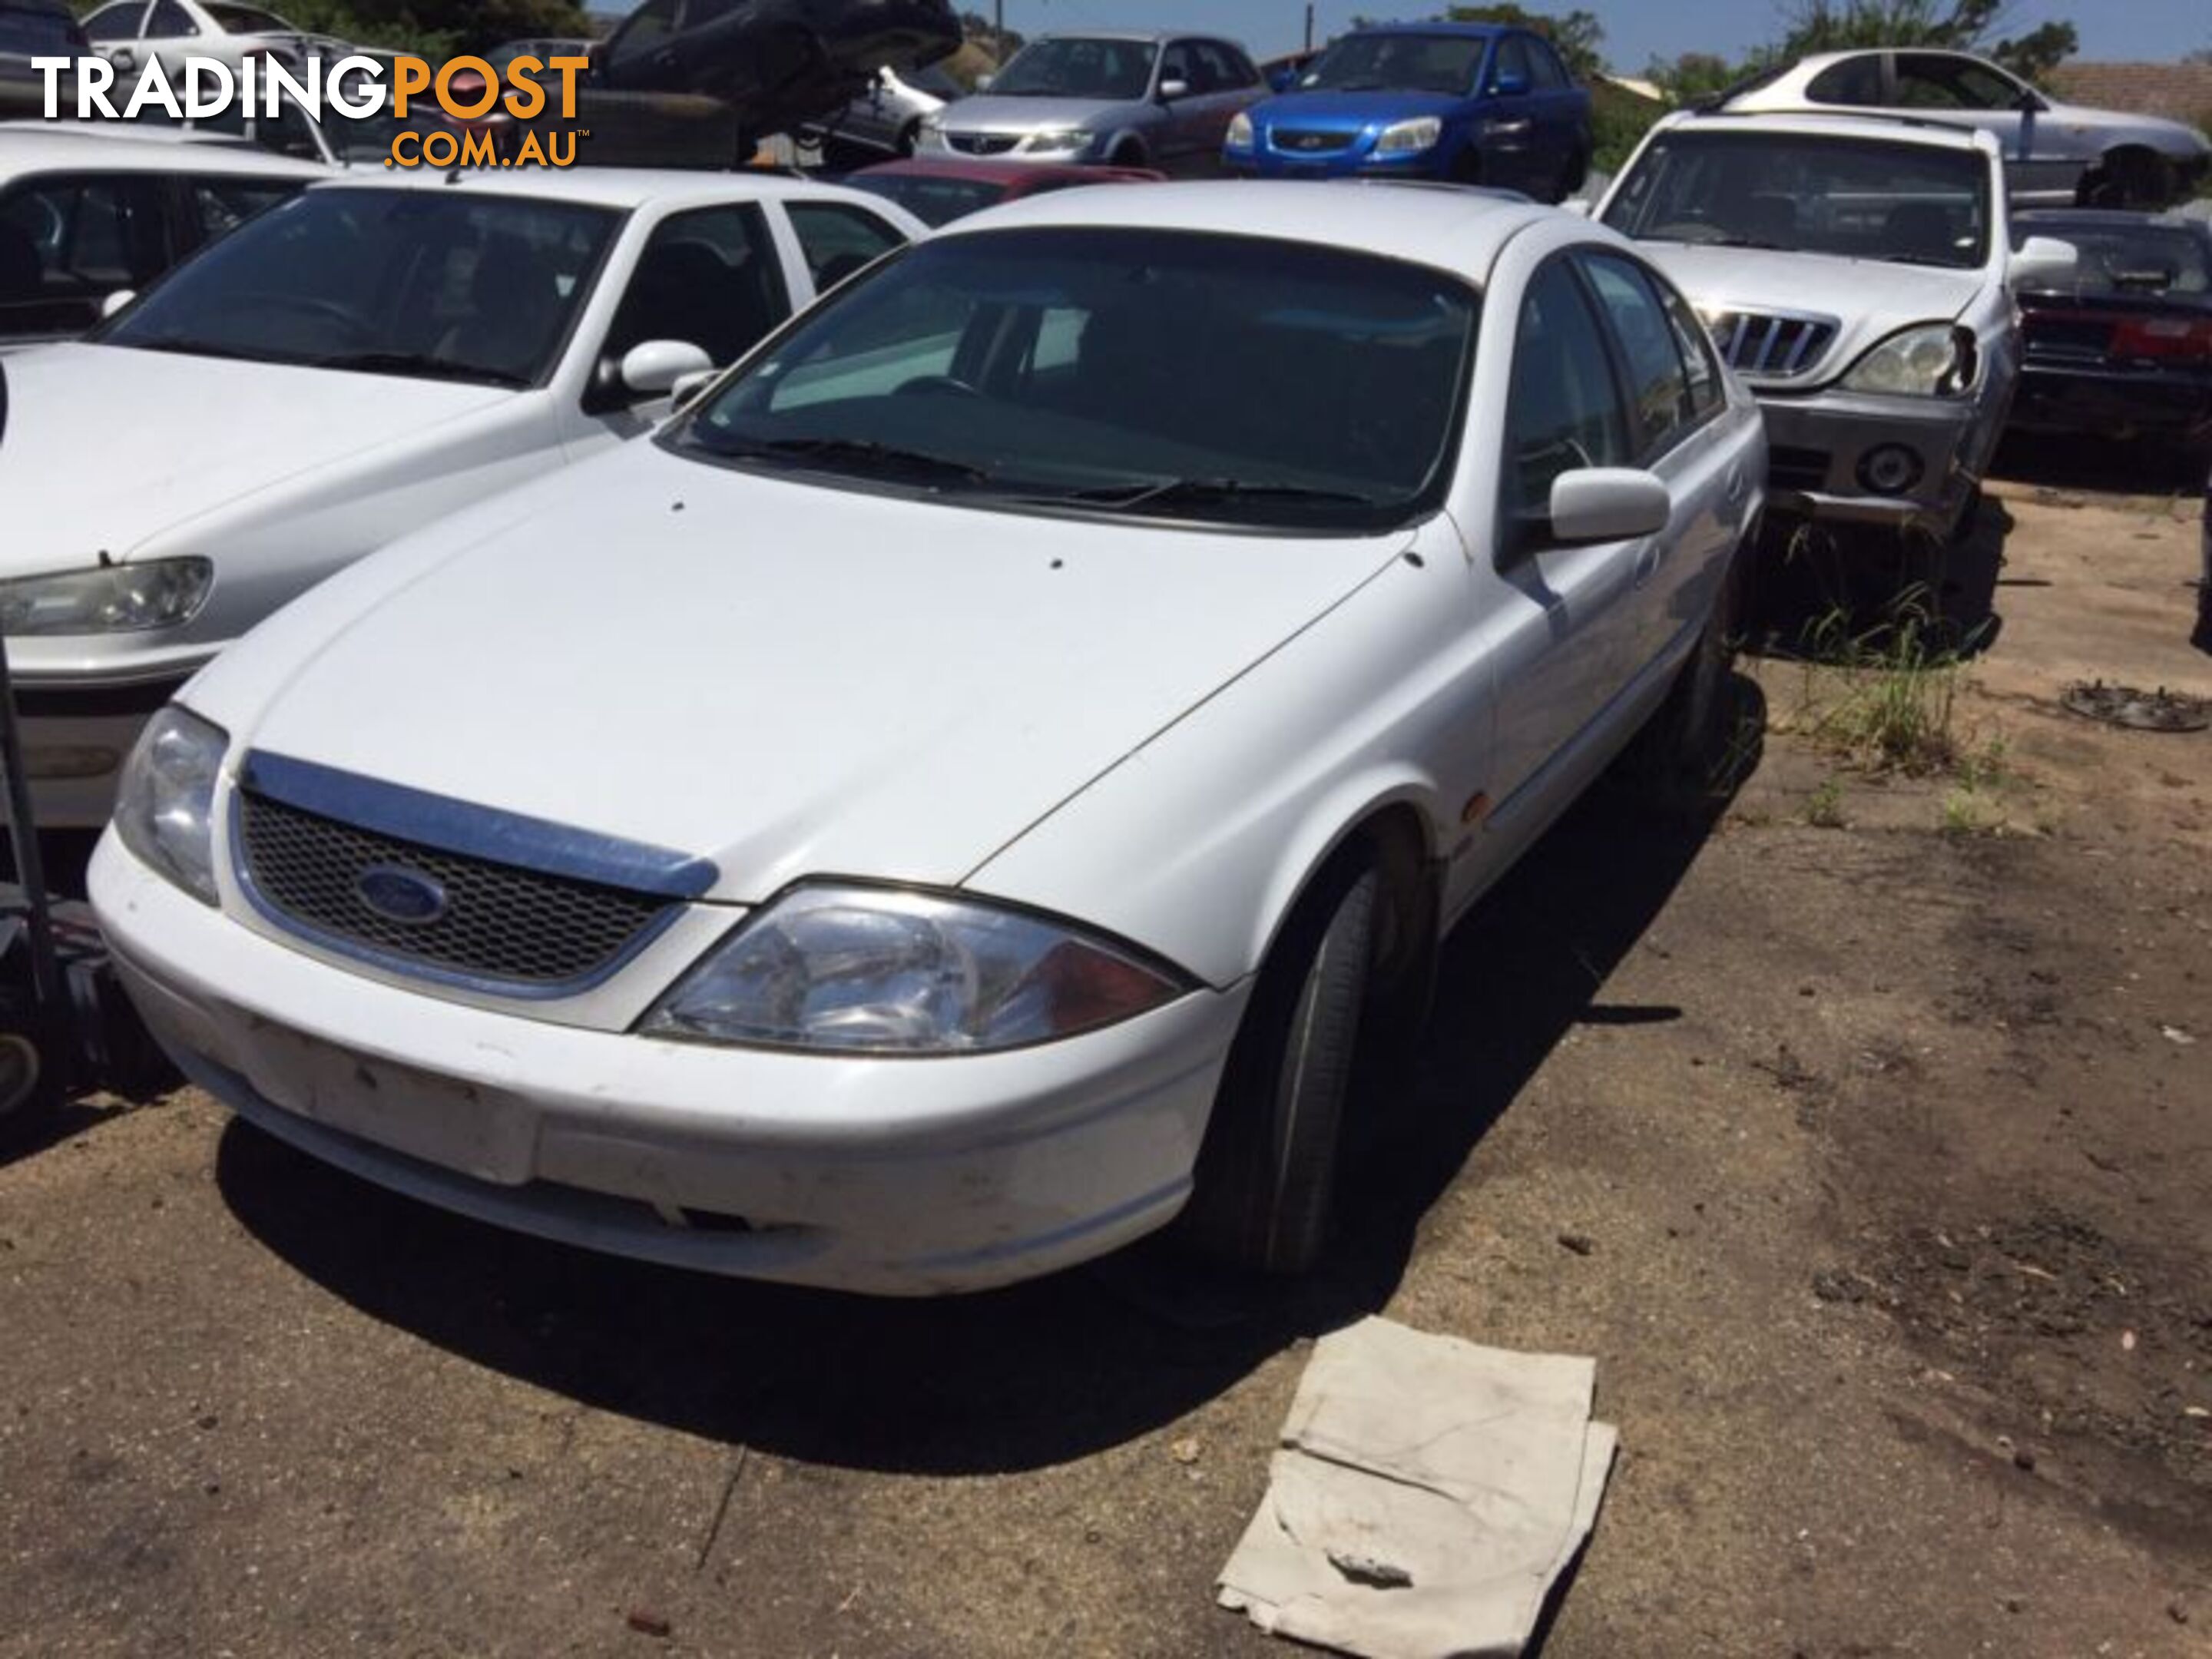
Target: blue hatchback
[(1470, 102)]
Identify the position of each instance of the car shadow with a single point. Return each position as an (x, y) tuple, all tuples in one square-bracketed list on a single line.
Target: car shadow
[(1039, 1373), (1821, 590)]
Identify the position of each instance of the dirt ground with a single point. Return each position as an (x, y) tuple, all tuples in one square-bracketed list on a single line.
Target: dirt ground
[(1884, 1109)]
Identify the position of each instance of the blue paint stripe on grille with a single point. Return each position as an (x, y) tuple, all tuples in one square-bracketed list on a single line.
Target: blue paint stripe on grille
[(477, 831)]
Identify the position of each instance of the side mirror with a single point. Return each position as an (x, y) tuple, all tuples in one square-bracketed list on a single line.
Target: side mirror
[(655, 366), (1608, 504), (1171, 90), (1510, 86), (1282, 80), (115, 302), (2043, 262), (983, 83), (686, 390)]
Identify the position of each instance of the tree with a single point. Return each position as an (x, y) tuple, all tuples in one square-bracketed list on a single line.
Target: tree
[(1577, 34)]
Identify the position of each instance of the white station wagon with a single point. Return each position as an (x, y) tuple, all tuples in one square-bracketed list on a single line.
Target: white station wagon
[(960, 795), (369, 355)]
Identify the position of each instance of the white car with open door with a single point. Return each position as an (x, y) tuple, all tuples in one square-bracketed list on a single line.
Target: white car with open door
[(366, 357), (958, 797)]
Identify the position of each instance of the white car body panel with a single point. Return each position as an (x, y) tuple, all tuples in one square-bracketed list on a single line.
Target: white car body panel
[(1156, 731), (283, 474)]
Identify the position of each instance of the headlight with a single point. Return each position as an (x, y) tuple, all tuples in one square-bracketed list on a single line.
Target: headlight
[(165, 806), (115, 598), (1240, 131), (1058, 143), (1410, 137), (1930, 360), (881, 971)]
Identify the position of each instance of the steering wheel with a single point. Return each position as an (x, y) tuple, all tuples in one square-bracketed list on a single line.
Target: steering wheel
[(935, 386), (357, 330)]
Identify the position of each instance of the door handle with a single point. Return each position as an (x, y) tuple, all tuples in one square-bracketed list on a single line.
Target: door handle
[(1734, 485), (1510, 128), (1647, 560)]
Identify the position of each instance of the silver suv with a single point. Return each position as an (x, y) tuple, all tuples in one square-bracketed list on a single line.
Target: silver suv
[(1127, 99), (1856, 273)]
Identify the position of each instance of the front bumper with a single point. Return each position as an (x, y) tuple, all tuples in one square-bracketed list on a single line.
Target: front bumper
[(1826, 453), (2114, 403), (892, 1177)]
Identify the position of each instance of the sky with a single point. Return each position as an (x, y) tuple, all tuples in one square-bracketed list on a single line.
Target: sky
[(1636, 31)]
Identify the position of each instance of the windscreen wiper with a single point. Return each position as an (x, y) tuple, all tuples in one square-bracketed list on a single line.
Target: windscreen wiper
[(417, 362), (864, 450), (1196, 492)]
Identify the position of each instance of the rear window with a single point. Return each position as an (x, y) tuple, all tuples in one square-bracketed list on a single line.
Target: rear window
[(2120, 258)]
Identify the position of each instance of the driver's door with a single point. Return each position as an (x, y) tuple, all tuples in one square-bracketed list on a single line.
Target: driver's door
[(1567, 631)]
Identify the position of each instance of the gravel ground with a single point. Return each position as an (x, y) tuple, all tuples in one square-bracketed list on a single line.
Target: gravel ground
[(1886, 1122)]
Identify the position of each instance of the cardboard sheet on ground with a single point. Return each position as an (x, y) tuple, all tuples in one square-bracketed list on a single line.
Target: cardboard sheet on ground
[(1428, 1494)]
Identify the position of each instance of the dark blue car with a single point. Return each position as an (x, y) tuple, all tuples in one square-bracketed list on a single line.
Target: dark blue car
[(1474, 103)]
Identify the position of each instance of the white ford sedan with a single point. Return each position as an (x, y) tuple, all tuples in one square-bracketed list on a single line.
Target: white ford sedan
[(960, 796), (359, 361)]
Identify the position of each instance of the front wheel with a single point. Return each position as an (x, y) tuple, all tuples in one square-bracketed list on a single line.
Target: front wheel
[(1267, 1175)]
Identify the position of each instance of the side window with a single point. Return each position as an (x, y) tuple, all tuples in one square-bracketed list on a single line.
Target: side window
[(67, 243), (170, 21), (116, 22), (708, 276), (1214, 74), (1699, 362), (1930, 80), (1551, 75), (1511, 63), (1855, 82), (1658, 387), (221, 203), (1240, 71), (648, 25), (1564, 409), (1176, 64), (839, 239)]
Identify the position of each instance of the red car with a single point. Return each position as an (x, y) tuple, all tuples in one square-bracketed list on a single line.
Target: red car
[(940, 188)]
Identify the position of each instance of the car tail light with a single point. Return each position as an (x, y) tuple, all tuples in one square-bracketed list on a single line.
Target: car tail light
[(2163, 337)]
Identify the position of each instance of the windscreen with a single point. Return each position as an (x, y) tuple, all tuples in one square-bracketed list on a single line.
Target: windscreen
[(2118, 257), (436, 285), (1858, 198), (1376, 61), (1066, 67), (1171, 374)]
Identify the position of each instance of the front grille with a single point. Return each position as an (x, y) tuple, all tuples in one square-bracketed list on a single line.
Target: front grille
[(1791, 468), (982, 143), (499, 922), (1298, 142), (1779, 344)]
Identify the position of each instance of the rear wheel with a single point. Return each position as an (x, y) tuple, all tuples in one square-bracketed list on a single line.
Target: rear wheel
[(1267, 1175)]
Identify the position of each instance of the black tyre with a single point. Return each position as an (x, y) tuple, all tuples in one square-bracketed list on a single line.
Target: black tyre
[(1571, 177), (2128, 178), (28, 1091), (1267, 1175), (1128, 153)]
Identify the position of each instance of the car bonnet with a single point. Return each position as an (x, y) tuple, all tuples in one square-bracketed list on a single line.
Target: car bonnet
[(786, 678)]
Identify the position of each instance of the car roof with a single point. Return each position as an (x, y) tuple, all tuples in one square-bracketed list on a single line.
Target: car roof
[(39, 146), (1894, 129), (611, 187), (1467, 31), (1453, 227)]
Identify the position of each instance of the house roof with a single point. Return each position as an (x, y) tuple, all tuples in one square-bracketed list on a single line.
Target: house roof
[(2180, 92)]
